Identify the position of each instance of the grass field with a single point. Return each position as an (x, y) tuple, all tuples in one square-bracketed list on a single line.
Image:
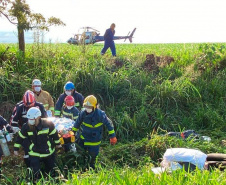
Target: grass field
[(180, 86)]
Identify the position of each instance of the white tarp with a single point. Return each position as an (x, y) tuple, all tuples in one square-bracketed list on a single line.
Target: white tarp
[(174, 155)]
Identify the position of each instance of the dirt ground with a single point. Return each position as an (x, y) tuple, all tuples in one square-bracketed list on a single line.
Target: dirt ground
[(153, 63)]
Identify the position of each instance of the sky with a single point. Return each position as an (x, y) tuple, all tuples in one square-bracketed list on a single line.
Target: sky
[(157, 21)]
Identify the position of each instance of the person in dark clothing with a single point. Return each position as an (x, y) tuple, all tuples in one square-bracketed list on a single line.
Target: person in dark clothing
[(19, 117), (108, 40), (3, 123), (42, 137), (19, 114), (91, 120), (69, 90), (68, 110), (14, 112)]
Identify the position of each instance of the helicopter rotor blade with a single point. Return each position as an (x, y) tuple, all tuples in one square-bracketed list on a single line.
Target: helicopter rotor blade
[(86, 28)]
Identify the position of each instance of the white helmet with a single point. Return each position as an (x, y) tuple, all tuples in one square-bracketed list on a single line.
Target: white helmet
[(36, 82), (33, 113)]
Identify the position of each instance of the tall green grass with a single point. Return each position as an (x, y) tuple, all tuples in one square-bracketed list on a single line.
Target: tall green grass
[(129, 163), (137, 176), (137, 100), (189, 93)]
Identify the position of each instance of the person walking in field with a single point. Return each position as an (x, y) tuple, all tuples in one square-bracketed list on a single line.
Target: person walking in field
[(43, 97), (91, 121), (108, 40)]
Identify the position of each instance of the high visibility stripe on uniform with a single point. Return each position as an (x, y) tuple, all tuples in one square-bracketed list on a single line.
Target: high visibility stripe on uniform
[(87, 125), (111, 132), (17, 145), (46, 105), (67, 114), (57, 112), (51, 108), (31, 146), (57, 141), (41, 155), (34, 154), (98, 125), (92, 143), (74, 129), (77, 104), (46, 131), (50, 148), (91, 126), (30, 133), (21, 135), (82, 137), (53, 132)]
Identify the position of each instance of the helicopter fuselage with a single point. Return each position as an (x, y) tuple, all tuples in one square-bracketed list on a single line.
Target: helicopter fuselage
[(91, 37)]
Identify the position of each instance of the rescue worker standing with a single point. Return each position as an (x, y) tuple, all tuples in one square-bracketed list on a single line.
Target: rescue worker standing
[(68, 110), (42, 137), (108, 40), (69, 90), (20, 117), (43, 97), (91, 121)]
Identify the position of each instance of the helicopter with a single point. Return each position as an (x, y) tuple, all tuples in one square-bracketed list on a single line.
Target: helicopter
[(90, 36)]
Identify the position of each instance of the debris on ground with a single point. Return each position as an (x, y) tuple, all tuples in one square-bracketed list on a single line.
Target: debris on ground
[(216, 160), (153, 63)]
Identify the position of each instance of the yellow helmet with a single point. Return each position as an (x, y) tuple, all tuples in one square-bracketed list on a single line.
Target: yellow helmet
[(90, 101)]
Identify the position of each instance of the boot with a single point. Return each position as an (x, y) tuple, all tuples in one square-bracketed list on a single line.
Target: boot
[(27, 161)]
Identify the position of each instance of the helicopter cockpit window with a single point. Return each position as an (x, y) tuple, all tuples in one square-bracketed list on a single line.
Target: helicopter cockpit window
[(87, 37)]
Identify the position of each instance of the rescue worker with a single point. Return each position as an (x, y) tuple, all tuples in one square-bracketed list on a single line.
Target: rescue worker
[(4, 123), (43, 97), (108, 40), (69, 90), (68, 110), (42, 137), (14, 112), (91, 121), (20, 117)]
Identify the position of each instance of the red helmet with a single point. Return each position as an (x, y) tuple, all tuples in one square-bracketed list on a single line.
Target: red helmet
[(69, 101), (29, 99)]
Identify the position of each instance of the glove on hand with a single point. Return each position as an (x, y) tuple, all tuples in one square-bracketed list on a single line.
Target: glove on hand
[(9, 129), (113, 140)]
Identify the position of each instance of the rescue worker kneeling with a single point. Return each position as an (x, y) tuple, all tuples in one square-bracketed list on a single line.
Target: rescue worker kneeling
[(91, 121), (43, 137)]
